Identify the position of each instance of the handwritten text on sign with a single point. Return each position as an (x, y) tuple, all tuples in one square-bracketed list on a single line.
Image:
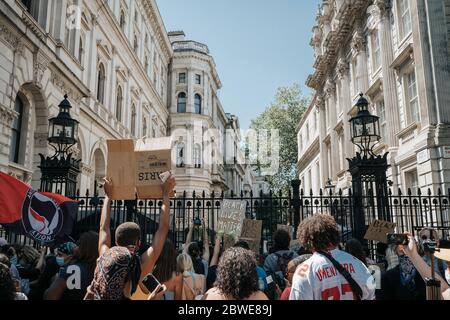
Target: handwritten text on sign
[(378, 230), (231, 216)]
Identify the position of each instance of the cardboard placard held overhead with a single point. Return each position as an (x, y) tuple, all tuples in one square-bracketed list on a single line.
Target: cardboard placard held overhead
[(378, 230), (251, 233), (231, 216), (153, 158), (138, 168), (121, 168)]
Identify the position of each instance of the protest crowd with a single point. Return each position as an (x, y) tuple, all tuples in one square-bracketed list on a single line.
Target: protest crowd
[(315, 266)]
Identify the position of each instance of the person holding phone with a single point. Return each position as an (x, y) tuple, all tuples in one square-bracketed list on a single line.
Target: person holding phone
[(165, 273), (410, 250)]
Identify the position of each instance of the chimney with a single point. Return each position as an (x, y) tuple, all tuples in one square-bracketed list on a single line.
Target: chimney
[(176, 36)]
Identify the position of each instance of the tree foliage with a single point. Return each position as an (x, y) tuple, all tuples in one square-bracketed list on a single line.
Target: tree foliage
[(284, 114)]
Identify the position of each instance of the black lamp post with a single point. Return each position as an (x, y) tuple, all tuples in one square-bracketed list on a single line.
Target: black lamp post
[(60, 171), (368, 170)]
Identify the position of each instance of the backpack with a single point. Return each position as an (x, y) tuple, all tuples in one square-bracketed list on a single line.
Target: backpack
[(282, 267)]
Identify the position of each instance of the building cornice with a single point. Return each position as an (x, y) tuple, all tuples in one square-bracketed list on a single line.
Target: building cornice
[(346, 16)]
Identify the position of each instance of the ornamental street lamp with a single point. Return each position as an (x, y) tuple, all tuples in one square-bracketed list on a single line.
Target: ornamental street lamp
[(60, 171), (368, 170), (365, 128)]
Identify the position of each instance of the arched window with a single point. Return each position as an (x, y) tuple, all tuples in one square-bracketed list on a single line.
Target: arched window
[(101, 83), (16, 131), (133, 120), (144, 126), (198, 104), (180, 155), (122, 20), (119, 102), (80, 51), (197, 156), (181, 102)]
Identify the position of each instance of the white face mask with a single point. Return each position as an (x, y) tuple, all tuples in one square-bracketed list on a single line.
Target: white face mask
[(447, 275)]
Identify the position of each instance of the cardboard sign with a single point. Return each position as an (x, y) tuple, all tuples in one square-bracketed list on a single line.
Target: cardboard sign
[(138, 168), (251, 233), (231, 217), (121, 168), (153, 158), (288, 229), (378, 230)]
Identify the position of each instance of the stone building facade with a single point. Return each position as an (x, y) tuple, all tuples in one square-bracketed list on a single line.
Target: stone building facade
[(119, 67), (396, 52)]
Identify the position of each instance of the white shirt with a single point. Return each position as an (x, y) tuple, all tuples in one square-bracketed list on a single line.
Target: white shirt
[(318, 279)]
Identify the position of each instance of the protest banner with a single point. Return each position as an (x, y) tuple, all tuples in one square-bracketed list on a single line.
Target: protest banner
[(251, 233), (231, 217)]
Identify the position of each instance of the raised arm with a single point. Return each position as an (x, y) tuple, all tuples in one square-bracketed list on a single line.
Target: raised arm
[(41, 262), (104, 234), (149, 258), (188, 238), (422, 267), (205, 243), (215, 257)]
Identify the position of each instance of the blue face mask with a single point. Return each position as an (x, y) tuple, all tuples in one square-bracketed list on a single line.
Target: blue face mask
[(60, 261), (13, 261)]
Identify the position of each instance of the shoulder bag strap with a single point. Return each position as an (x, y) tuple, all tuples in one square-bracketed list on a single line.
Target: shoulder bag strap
[(353, 284)]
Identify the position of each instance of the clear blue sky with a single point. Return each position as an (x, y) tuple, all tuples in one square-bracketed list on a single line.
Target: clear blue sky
[(258, 45)]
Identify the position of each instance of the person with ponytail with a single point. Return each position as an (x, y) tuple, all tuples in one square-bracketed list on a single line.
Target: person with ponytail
[(194, 285)]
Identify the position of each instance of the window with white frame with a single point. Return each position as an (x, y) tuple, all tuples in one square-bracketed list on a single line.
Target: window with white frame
[(133, 120), (412, 99), (412, 181), (122, 20), (144, 126), (119, 103), (182, 77), (197, 156), (382, 114), (101, 79), (341, 150), (307, 133), (376, 51), (180, 155), (404, 14), (300, 142)]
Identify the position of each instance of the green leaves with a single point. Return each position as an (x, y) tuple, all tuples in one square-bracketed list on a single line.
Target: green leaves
[(283, 114)]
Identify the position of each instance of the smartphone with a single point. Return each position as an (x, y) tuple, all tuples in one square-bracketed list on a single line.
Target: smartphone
[(397, 238), (150, 282)]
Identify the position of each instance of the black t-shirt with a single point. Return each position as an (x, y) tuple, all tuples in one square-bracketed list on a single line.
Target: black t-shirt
[(71, 271), (393, 289), (211, 278)]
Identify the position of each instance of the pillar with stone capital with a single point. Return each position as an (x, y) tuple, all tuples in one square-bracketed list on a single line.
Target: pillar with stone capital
[(359, 47), (342, 71), (381, 13), (320, 103), (330, 93)]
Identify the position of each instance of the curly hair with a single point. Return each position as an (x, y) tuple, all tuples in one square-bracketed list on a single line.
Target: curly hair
[(318, 232), (236, 273), (7, 288)]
